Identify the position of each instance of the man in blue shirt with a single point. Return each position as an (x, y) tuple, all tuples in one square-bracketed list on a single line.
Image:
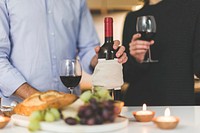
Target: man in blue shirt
[(35, 35)]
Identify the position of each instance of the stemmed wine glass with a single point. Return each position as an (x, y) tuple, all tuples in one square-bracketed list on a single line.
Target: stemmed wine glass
[(146, 26), (70, 73)]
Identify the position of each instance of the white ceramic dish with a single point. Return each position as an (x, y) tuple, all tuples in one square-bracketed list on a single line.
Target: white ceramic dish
[(61, 126)]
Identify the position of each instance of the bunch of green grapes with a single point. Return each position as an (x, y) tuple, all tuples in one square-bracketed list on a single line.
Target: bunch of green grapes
[(49, 115), (99, 93)]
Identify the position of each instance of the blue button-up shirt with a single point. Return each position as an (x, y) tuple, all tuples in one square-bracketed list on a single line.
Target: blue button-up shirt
[(35, 35)]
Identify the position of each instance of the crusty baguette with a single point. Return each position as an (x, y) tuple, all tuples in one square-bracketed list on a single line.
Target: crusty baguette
[(43, 100)]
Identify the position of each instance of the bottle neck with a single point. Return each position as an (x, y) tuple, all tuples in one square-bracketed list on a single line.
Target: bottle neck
[(109, 40), (108, 24), (106, 51)]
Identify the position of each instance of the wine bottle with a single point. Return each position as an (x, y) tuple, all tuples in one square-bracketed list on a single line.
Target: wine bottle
[(106, 50)]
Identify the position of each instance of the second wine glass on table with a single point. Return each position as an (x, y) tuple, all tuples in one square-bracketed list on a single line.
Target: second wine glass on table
[(70, 73), (146, 26)]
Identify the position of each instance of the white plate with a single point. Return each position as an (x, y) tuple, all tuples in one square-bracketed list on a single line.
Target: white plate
[(61, 126)]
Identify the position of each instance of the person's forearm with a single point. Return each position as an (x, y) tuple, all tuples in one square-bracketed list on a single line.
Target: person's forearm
[(25, 90)]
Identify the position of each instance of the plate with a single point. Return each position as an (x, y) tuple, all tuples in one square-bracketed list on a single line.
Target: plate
[(61, 126)]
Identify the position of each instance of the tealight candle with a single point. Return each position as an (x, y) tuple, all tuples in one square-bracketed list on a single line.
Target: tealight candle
[(3, 121), (166, 121), (144, 115)]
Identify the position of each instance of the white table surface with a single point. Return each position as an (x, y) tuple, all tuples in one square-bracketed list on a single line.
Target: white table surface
[(189, 121)]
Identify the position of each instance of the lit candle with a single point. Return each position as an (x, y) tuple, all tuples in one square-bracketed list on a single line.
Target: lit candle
[(144, 111), (166, 117), (144, 115), (167, 121)]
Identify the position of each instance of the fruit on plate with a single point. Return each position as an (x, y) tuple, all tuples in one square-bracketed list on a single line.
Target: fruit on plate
[(98, 108), (48, 115), (98, 93), (93, 107), (37, 115), (55, 113), (34, 125), (97, 112)]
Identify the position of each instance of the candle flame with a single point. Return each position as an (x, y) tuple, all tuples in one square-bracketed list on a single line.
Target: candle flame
[(167, 112), (144, 108)]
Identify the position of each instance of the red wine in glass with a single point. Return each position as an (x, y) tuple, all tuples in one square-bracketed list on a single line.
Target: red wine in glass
[(70, 73), (70, 81), (148, 36)]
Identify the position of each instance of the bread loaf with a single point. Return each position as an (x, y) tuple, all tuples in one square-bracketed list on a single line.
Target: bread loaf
[(43, 100)]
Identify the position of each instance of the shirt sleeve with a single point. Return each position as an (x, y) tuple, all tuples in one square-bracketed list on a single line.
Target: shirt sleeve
[(10, 77), (131, 69), (88, 38), (196, 54)]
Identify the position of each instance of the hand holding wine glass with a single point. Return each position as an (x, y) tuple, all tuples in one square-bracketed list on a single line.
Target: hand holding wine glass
[(70, 73), (146, 26)]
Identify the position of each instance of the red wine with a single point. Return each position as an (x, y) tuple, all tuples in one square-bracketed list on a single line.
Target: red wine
[(70, 81), (106, 51), (148, 36)]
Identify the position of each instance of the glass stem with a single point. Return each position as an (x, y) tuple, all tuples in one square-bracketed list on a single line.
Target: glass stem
[(71, 90), (149, 52)]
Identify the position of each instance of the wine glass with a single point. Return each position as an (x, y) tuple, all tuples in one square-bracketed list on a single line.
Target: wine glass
[(70, 73), (146, 26)]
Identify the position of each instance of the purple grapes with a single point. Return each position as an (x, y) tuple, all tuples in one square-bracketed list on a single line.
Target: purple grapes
[(97, 112), (71, 121), (94, 113)]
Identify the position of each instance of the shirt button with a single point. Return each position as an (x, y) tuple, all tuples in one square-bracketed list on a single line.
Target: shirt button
[(56, 79)]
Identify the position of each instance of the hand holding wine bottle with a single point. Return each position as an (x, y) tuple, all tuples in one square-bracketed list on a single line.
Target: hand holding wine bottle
[(110, 49), (108, 72)]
